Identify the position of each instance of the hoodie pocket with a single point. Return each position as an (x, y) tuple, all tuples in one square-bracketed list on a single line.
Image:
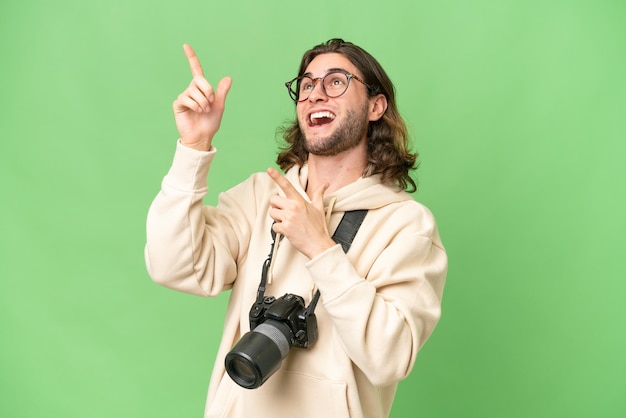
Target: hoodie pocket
[(288, 394)]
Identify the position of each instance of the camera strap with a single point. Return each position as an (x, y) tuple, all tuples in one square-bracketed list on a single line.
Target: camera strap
[(344, 235), (348, 227)]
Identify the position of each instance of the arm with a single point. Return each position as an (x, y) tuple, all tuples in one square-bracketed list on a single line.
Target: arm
[(185, 241), (191, 247), (384, 318)]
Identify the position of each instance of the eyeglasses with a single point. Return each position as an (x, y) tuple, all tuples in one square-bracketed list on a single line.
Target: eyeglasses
[(334, 84)]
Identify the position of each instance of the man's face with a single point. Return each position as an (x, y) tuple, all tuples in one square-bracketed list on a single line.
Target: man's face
[(333, 125)]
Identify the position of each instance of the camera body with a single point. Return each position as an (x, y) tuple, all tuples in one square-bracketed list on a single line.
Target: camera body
[(290, 310)]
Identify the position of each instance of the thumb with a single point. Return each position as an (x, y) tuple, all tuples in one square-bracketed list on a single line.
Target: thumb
[(318, 196), (223, 87)]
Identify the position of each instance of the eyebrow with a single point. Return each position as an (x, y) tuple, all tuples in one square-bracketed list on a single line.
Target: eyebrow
[(330, 70)]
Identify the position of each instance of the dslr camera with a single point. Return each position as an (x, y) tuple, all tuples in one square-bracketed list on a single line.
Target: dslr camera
[(276, 325)]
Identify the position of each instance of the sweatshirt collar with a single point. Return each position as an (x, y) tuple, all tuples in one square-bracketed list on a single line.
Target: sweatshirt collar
[(364, 193)]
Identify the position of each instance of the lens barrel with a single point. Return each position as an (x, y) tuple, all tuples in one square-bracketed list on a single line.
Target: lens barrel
[(258, 354)]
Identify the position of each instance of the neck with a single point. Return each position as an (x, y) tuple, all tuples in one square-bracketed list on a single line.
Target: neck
[(338, 170)]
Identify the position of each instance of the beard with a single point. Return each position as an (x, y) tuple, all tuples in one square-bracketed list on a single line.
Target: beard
[(347, 135)]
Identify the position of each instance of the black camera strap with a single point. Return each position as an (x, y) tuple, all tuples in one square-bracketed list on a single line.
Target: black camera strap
[(348, 227), (344, 235)]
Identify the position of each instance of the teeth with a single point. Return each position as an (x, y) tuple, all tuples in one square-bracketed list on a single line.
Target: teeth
[(319, 115)]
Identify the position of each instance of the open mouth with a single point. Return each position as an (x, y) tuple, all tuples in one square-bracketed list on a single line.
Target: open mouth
[(321, 118)]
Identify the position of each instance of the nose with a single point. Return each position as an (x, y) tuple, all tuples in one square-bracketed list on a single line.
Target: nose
[(317, 94)]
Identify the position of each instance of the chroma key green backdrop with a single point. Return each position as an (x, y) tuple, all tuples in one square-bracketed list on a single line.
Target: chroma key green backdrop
[(518, 109)]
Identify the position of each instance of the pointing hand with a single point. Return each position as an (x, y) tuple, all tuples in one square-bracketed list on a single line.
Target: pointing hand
[(199, 109)]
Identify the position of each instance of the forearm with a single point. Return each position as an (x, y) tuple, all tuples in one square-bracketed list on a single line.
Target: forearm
[(181, 249), (385, 319)]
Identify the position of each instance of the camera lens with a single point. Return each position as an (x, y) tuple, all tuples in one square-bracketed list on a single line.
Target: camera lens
[(258, 354), (241, 367)]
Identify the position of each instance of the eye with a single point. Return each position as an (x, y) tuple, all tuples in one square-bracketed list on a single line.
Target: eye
[(336, 80), (306, 84)]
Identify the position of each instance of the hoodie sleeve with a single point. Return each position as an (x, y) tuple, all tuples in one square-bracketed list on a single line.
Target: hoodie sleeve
[(384, 318), (190, 247)]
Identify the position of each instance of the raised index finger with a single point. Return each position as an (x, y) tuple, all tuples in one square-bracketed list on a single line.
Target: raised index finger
[(194, 62), (283, 183)]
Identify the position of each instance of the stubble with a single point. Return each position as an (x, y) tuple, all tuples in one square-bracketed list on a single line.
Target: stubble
[(346, 136)]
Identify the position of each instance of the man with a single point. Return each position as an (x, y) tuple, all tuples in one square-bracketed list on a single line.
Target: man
[(379, 301)]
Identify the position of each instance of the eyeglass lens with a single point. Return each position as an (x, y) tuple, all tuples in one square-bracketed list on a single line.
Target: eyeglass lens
[(333, 85)]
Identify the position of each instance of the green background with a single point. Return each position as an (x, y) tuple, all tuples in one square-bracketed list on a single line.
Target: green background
[(518, 109)]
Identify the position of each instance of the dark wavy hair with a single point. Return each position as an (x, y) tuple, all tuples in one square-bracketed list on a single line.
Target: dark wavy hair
[(387, 138)]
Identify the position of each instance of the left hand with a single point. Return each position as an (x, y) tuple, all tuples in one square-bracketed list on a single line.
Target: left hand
[(303, 223)]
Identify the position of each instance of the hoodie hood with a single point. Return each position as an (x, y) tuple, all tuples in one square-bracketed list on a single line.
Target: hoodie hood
[(365, 193)]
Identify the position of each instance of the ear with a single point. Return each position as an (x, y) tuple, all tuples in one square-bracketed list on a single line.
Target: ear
[(378, 107)]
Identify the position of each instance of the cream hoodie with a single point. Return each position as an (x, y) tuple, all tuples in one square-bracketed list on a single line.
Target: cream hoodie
[(379, 302)]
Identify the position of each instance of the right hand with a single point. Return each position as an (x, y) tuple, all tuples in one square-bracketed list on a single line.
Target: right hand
[(198, 110), (302, 223)]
